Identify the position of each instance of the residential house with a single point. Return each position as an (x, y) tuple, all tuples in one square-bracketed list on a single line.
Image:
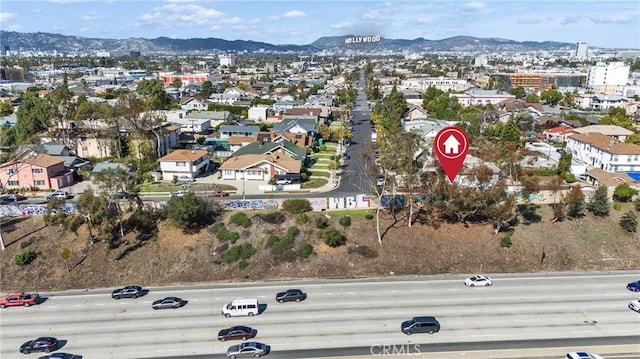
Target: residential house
[(215, 118), (306, 126), (549, 121), (413, 112), (313, 113), (109, 166), (264, 148), (71, 162), (597, 177), (260, 167), (228, 97), (513, 105), (617, 132), (604, 152), (476, 96), (558, 134), (606, 102), (184, 163), (258, 113), (31, 169), (196, 103), (238, 130), (281, 106)]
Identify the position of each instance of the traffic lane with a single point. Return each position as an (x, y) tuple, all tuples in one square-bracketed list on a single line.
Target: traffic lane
[(319, 312)]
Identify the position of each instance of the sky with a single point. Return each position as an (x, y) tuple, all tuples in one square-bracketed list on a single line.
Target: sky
[(607, 24)]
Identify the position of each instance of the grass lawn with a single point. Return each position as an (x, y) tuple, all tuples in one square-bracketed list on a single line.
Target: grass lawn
[(320, 174), (324, 166), (323, 155), (314, 183)]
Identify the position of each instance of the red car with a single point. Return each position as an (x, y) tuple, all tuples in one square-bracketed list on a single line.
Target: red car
[(218, 194), (237, 332), (19, 299)]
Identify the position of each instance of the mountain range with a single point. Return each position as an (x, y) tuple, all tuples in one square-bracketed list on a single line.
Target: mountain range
[(50, 42)]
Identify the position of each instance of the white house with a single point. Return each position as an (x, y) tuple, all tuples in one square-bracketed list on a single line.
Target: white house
[(257, 113), (184, 163), (481, 97), (260, 167), (617, 132), (604, 152)]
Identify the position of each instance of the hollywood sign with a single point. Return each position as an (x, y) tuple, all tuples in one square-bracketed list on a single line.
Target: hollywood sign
[(361, 39)]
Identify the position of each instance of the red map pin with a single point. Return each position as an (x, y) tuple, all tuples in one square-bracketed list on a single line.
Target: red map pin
[(451, 145)]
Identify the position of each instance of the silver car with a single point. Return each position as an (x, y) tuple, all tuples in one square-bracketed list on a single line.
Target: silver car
[(248, 350)]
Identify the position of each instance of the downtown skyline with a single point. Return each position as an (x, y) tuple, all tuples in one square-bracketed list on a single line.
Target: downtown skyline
[(613, 24)]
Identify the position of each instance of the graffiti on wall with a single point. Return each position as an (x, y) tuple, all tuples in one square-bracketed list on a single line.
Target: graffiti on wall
[(252, 204), (33, 209), (398, 200), (318, 204), (350, 202)]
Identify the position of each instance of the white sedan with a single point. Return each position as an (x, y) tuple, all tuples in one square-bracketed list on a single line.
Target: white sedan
[(583, 355), (478, 280), (635, 305)]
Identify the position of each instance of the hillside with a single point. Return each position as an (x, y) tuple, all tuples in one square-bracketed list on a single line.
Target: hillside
[(431, 248)]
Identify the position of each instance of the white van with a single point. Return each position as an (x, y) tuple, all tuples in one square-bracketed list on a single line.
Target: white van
[(240, 307)]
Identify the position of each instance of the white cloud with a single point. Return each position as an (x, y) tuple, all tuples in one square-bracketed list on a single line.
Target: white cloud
[(189, 14), (474, 6), (15, 27), (294, 13), (608, 19), (341, 25), (4, 16), (92, 17), (65, 2)]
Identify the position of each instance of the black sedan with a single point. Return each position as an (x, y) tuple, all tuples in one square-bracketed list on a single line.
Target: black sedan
[(130, 291), (291, 295), (42, 344), (61, 356), (168, 303), (237, 332)]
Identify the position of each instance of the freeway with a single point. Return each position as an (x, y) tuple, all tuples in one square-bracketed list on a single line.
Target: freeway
[(344, 318)]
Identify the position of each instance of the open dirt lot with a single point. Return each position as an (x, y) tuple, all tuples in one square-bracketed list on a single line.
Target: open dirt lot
[(172, 258)]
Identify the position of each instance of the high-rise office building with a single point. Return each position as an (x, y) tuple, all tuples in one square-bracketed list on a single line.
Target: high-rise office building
[(582, 50), (611, 74)]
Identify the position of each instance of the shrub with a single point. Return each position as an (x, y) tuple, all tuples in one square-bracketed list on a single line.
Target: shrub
[(617, 206), (239, 251), (368, 215), (223, 234), (624, 193), (333, 237), (295, 206), (636, 203), (345, 221), (321, 222), (505, 242), (302, 218), (24, 257), (363, 250), (243, 264), (305, 250), (241, 219), (272, 240), (629, 222)]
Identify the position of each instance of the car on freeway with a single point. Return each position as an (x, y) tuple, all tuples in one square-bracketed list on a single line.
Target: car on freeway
[(218, 194), (478, 280), (58, 194), (119, 196), (19, 299), (427, 324), (247, 350), (634, 305), (634, 286), (582, 355), (42, 344), (291, 295), (237, 332), (61, 356), (130, 291), (168, 303)]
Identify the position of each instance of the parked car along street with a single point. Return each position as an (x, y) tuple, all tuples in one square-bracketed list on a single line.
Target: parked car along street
[(58, 194)]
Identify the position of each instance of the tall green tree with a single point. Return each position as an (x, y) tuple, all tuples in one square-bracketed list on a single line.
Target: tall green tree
[(518, 92), (32, 118), (551, 97), (207, 89), (575, 202), (154, 94), (599, 204)]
